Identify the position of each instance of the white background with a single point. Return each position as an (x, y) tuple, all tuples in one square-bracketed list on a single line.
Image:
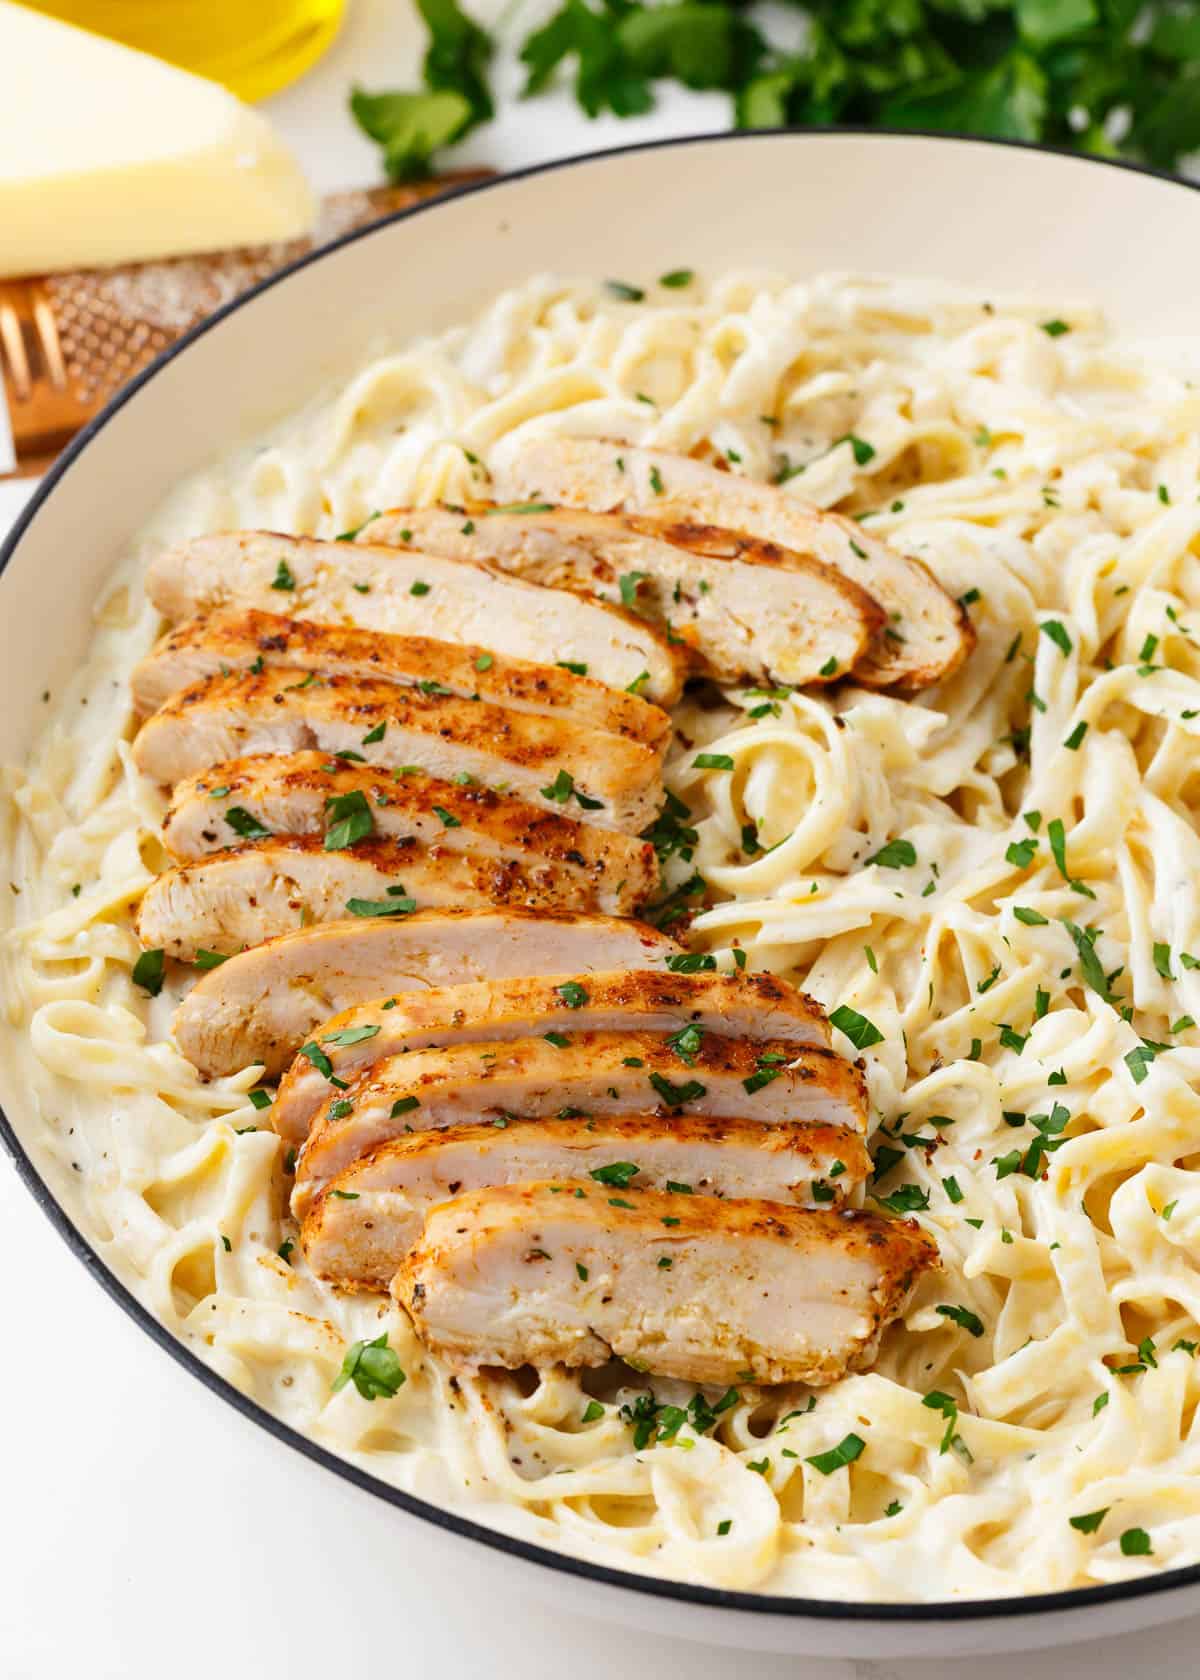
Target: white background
[(148, 1529)]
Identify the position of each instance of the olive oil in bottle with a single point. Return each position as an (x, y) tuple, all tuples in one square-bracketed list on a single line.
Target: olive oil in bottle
[(253, 47)]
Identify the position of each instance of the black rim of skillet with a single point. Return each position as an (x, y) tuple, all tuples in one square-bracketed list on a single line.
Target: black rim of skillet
[(911, 1614)]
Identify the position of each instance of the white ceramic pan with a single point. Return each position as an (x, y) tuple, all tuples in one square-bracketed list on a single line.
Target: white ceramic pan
[(988, 215)]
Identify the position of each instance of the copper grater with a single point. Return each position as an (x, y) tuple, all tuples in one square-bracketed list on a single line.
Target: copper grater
[(69, 341)]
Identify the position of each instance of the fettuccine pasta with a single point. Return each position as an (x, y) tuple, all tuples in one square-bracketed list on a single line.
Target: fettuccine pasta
[(997, 887)]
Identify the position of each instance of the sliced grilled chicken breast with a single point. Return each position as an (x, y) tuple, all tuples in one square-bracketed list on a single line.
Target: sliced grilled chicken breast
[(594, 1073), (306, 793), (261, 1005), (747, 608), (926, 635), (682, 1286), (361, 1226), (552, 761), (232, 899), (404, 593), (752, 1006), (242, 640)]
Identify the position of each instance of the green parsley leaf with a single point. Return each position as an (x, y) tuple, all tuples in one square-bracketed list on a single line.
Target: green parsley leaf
[(148, 972), (1090, 1521), (1057, 633), (351, 820), (897, 854), (246, 824), (619, 1174), (397, 906), (964, 1318), (847, 1450), (861, 1032), (373, 1369)]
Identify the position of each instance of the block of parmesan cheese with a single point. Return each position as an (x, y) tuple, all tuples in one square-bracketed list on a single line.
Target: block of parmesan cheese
[(108, 155)]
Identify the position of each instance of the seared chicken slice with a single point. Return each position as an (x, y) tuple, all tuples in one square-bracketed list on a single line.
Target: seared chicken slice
[(594, 1073), (926, 635), (261, 1005), (551, 761), (749, 609), (682, 1286), (752, 1006), (362, 1225), (248, 640), (231, 899), (306, 793), (411, 594)]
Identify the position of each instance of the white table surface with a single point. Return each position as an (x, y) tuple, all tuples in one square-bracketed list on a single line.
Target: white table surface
[(151, 1531)]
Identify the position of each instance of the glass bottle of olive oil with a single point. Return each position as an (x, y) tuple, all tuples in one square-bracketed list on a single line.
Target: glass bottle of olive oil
[(255, 47)]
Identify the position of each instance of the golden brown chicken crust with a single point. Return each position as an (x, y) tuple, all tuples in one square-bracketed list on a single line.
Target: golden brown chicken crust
[(754, 1290), (810, 624), (251, 893), (926, 634), (239, 639), (402, 592), (756, 1006), (360, 1226), (286, 710), (289, 794), (595, 1073), (260, 1005)]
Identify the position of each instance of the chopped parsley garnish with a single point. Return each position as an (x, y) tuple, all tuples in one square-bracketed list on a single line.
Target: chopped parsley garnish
[(676, 1096), (676, 279), (1054, 329), (1057, 633), (691, 962), (592, 1412), (246, 824), (621, 289), (208, 959), (148, 972), (909, 1198), (964, 1318), (619, 1174), (686, 1042), (1090, 965), (398, 906), (628, 583), (1089, 1521), (260, 1099), (404, 1105), (897, 854), (1135, 1542), (563, 788), (283, 578), (373, 1369), (863, 451), (847, 1450), (572, 994), (351, 820), (712, 761), (346, 1036), (861, 1032)]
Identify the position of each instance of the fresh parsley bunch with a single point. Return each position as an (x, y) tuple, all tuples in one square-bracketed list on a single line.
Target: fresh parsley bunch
[(1120, 78)]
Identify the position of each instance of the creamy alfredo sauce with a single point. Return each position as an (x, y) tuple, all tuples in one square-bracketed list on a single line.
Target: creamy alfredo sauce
[(1024, 951)]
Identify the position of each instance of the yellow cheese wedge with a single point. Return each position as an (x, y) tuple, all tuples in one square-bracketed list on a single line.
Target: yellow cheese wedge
[(109, 155)]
